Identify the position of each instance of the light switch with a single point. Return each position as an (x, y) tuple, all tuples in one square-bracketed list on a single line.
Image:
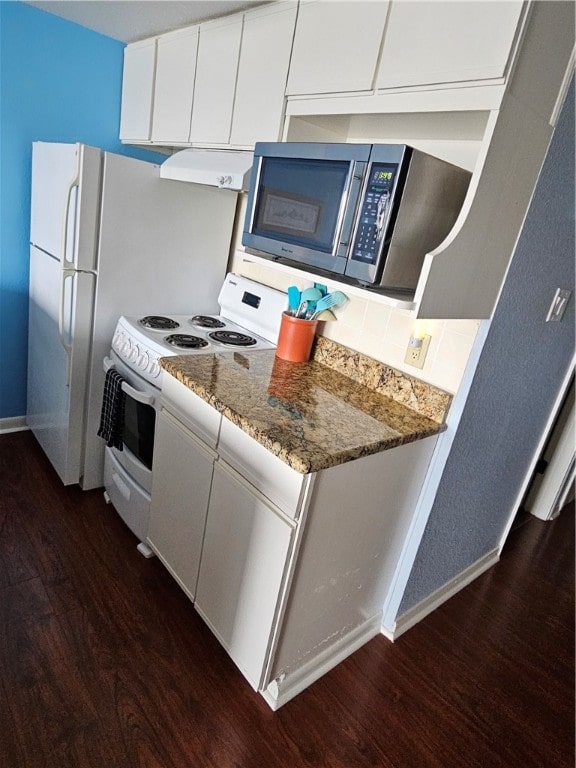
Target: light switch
[(558, 305)]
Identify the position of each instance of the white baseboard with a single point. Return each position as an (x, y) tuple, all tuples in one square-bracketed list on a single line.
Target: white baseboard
[(14, 424), (282, 689), (445, 592)]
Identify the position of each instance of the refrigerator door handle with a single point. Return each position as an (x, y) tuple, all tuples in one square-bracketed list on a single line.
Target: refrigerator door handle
[(66, 263), (65, 274)]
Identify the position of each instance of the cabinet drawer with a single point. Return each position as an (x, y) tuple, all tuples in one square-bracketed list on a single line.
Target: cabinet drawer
[(276, 480), (191, 410)]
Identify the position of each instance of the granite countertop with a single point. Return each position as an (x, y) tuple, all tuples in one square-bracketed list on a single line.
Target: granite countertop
[(338, 407)]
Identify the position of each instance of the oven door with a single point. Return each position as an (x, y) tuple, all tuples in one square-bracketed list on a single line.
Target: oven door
[(141, 405)]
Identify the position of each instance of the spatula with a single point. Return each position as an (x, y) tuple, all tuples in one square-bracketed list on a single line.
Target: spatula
[(334, 299), (293, 299)]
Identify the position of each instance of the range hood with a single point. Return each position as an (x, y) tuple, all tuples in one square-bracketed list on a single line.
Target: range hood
[(226, 169)]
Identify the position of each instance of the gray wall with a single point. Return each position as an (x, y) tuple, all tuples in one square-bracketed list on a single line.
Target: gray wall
[(519, 374)]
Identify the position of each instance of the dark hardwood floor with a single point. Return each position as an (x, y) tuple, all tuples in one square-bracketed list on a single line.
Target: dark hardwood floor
[(104, 662)]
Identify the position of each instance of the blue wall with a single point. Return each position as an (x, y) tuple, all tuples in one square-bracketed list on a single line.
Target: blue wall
[(58, 82)]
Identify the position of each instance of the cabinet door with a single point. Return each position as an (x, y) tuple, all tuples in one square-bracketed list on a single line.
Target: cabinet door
[(336, 46), (445, 42), (246, 547), (174, 89), (216, 69), (180, 491), (262, 74), (137, 91)]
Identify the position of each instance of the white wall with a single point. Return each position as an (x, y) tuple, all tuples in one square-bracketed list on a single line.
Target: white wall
[(377, 330)]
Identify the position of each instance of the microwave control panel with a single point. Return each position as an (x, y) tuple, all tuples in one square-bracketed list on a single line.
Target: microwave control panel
[(375, 212)]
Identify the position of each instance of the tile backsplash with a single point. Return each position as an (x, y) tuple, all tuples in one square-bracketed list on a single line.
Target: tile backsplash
[(380, 331)]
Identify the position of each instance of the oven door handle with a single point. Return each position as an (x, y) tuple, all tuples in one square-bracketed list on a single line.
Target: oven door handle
[(140, 397)]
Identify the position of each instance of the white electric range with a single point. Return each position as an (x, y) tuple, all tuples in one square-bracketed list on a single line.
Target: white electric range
[(249, 319), (250, 315)]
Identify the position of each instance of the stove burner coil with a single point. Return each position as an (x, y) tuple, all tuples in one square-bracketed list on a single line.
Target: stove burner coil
[(233, 338), (185, 341), (205, 321), (159, 323)]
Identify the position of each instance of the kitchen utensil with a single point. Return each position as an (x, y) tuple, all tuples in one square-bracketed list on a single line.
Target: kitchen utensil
[(311, 294), (324, 315), (295, 338), (308, 299), (334, 299), (293, 298), (302, 309)]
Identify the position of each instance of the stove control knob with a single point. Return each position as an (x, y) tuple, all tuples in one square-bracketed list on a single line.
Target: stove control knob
[(154, 369), (134, 353), (117, 340), (143, 361), (125, 348)]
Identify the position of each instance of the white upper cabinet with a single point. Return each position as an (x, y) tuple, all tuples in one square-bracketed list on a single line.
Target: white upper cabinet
[(138, 91), (438, 42), (262, 74), (174, 89), (216, 71), (336, 46)]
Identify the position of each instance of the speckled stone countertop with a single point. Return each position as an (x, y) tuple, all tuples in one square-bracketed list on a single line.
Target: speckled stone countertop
[(338, 407)]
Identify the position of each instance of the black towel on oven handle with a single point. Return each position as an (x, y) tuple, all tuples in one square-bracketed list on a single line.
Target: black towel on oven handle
[(112, 415)]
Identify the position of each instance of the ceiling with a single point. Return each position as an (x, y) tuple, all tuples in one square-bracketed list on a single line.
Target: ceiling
[(130, 20)]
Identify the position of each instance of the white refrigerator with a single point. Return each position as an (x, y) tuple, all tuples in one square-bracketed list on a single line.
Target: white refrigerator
[(108, 237)]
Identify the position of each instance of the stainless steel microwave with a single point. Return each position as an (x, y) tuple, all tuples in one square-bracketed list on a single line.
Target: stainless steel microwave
[(367, 213)]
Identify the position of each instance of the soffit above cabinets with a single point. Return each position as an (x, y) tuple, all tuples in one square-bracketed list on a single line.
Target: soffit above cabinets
[(131, 20)]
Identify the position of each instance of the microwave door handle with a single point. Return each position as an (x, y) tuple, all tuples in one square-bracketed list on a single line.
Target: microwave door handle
[(343, 243)]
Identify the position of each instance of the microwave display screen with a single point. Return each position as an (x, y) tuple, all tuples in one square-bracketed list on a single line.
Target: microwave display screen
[(375, 213), (300, 200)]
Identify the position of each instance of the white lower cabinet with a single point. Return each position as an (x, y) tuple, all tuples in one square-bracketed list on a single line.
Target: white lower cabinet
[(181, 484), (289, 571), (244, 559)]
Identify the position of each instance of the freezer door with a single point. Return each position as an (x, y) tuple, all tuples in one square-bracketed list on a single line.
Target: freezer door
[(65, 202), (60, 315)]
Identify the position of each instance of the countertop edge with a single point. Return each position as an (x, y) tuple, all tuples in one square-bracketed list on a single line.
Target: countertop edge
[(303, 462)]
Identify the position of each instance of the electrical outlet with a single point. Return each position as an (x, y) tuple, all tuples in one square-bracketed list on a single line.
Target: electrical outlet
[(416, 353)]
